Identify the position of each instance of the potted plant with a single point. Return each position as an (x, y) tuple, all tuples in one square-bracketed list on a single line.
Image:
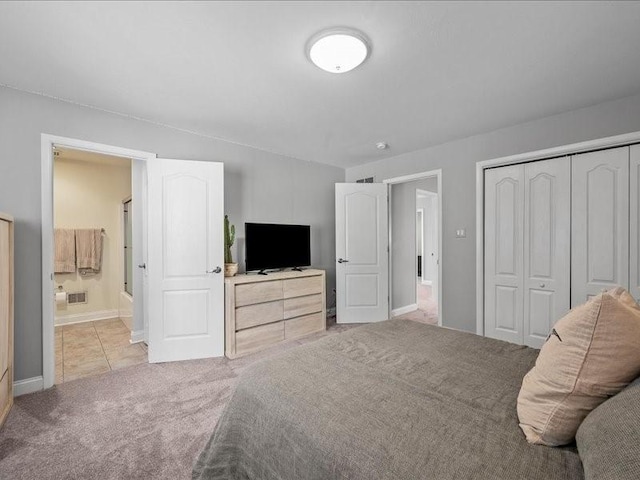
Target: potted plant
[(230, 268)]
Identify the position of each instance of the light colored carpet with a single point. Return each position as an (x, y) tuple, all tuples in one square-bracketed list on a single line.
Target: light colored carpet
[(147, 421)]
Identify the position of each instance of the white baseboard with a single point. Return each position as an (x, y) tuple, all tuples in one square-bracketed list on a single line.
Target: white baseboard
[(402, 310), (28, 385), (427, 282), (137, 336), (86, 317)]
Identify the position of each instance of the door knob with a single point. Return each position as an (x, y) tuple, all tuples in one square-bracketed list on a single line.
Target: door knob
[(215, 270), (340, 260), (142, 265), (542, 285)]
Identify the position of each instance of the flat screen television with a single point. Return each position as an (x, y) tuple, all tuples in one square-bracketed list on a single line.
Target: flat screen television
[(271, 245)]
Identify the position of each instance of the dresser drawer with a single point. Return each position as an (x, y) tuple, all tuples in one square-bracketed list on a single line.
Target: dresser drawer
[(258, 314), (297, 327), (298, 306), (259, 337), (298, 287), (258, 292)]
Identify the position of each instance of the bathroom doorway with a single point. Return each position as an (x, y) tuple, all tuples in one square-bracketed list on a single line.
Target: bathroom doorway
[(93, 264)]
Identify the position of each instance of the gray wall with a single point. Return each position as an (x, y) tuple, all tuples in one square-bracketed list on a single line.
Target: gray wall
[(259, 186), (403, 240), (457, 160)]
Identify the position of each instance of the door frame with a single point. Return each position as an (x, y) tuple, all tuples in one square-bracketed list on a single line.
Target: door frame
[(410, 178), (544, 154), (47, 142)]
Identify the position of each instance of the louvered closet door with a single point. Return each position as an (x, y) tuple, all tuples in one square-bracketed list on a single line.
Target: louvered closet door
[(600, 222), (634, 224), (503, 240), (547, 237)]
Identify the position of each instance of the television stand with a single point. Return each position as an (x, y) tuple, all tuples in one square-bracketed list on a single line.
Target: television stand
[(263, 311)]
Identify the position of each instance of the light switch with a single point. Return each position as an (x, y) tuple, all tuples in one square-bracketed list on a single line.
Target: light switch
[(461, 233)]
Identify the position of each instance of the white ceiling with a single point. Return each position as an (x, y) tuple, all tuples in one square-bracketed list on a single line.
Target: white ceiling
[(237, 70)]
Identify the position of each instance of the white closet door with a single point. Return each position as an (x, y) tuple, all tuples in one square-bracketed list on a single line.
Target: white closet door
[(503, 240), (600, 222), (634, 224), (547, 238)]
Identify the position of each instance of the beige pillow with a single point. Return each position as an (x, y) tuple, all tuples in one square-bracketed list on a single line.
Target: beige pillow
[(592, 353)]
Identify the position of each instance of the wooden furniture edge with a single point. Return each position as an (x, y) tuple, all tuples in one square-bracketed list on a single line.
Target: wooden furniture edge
[(7, 409)]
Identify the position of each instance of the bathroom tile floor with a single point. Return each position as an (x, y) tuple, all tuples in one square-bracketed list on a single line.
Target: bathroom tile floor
[(90, 348)]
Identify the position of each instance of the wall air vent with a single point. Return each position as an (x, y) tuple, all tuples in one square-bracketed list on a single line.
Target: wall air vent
[(365, 180), (76, 298)]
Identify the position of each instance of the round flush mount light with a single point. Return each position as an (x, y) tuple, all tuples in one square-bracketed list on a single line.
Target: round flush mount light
[(338, 50), (382, 145)]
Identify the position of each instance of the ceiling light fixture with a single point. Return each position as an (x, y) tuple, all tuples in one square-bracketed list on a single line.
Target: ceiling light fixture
[(382, 145), (338, 50)]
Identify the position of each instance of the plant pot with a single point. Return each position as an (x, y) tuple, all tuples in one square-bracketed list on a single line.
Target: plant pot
[(230, 269)]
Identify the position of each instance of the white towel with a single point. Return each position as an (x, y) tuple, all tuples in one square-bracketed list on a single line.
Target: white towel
[(65, 250), (89, 250)]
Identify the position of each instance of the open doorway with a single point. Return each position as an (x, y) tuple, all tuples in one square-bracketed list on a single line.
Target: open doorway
[(415, 238), (93, 264), (52, 148)]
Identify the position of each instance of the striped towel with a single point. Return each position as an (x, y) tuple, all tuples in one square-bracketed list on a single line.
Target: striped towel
[(65, 250), (89, 250)]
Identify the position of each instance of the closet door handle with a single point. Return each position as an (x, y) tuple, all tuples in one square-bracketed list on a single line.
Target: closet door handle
[(542, 285), (340, 260), (215, 270), (142, 265)]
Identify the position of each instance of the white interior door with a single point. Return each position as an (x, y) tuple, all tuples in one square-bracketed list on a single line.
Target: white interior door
[(547, 247), (634, 224), (503, 241), (600, 222), (185, 260), (362, 261)]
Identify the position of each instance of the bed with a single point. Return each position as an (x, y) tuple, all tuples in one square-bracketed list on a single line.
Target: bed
[(393, 400)]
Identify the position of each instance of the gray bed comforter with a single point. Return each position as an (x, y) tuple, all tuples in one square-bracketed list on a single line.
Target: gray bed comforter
[(394, 400)]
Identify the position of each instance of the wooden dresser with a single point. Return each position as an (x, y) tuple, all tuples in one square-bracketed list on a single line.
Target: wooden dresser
[(6, 315), (262, 310)]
